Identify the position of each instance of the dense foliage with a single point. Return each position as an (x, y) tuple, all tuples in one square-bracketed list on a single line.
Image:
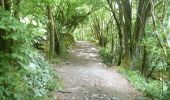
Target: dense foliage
[(24, 72), (152, 88), (28, 25), (132, 34)]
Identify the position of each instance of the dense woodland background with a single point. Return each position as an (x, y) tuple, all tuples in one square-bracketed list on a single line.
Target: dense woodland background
[(133, 35)]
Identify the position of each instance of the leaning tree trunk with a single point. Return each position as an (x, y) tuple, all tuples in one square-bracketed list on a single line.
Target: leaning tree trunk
[(98, 31), (118, 24), (51, 31)]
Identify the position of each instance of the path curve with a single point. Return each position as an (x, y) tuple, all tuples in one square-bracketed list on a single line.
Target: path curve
[(85, 77)]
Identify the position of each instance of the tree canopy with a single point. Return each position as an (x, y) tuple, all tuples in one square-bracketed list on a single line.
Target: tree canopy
[(131, 34)]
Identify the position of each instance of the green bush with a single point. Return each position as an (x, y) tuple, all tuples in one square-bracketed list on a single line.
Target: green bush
[(155, 54), (167, 94), (24, 73), (153, 88), (106, 56), (31, 80), (38, 75)]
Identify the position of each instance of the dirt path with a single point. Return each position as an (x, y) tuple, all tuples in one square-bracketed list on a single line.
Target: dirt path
[(86, 78)]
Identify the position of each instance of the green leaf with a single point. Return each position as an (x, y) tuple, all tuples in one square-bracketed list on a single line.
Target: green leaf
[(2, 26)]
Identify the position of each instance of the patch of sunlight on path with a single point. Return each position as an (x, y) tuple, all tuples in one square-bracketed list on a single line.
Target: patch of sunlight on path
[(85, 77)]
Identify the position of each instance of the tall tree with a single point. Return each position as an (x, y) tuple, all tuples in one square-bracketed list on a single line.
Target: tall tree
[(127, 16), (144, 9), (119, 27), (124, 23), (51, 31)]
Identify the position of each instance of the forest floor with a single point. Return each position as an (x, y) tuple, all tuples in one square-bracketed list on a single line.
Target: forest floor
[(85, 77)]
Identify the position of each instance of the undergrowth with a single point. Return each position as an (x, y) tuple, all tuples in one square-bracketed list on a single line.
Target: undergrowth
[(106, 56), (154, 89), (36, 79), (24, 73)]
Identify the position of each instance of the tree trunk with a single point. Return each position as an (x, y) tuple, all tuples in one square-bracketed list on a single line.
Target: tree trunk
[(119, 31), (51, 31), (57, 41), (16, 9), (144, 68), (4, 44), (144, 8), (126, 9)]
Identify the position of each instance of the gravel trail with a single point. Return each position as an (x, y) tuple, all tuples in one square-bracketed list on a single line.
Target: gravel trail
[(85, 77)]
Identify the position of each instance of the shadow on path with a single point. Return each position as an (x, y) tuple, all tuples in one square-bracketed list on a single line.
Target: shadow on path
[(85, 77)]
